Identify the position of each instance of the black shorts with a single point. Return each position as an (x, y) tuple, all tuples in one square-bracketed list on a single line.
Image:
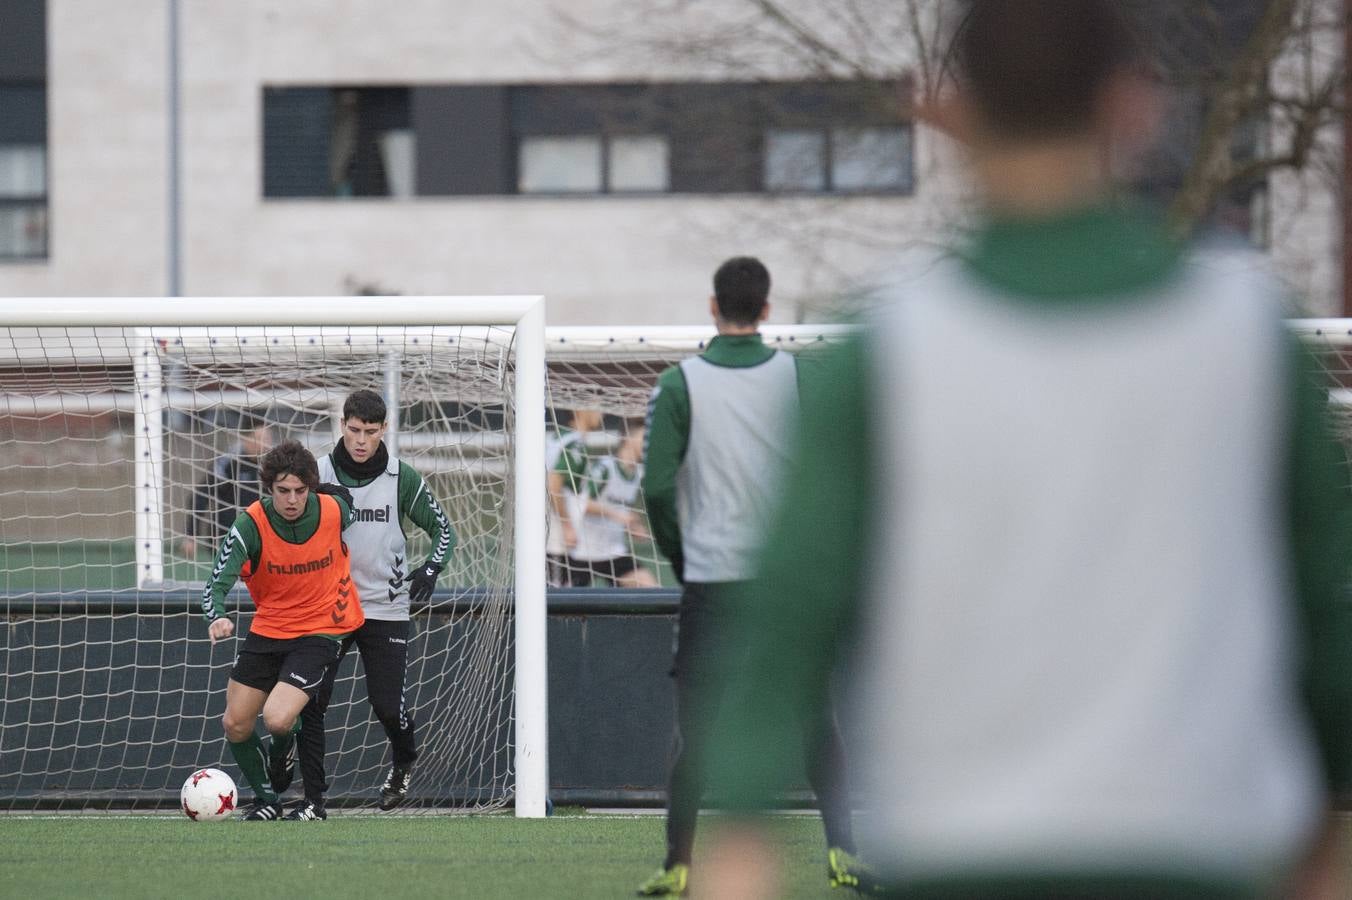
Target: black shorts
[(700, 649), (301, 662), (582, 571)]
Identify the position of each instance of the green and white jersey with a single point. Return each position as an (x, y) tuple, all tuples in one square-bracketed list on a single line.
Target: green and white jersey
[(562, 455), (1078, 498), (570, 459), (601, 537), (377, 543), (718, 428), (1093, 545)]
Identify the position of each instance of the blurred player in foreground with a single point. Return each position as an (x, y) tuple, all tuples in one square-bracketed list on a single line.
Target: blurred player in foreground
[(1071, 507)]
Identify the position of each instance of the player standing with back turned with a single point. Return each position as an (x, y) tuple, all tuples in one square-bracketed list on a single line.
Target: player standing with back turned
[(1072, 505), (716, 429)]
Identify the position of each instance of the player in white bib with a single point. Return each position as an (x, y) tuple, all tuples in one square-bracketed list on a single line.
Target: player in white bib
[(385, 491), (569, 461), (1070, 509), (609, 519), (564, 448)]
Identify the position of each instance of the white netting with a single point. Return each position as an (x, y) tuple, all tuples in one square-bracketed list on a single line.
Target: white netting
[(119, 437), (613, 371), (1331, 342), (123, 437)]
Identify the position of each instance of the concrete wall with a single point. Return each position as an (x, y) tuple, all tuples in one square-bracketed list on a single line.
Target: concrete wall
[(598, 259)]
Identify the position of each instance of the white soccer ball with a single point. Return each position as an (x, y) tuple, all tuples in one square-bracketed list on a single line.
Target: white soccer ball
[(208, 795)]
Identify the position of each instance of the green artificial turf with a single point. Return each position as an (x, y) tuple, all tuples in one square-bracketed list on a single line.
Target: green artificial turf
[(368, 857)]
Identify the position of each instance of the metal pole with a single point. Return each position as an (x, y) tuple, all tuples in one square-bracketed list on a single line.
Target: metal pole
[(174, 276)]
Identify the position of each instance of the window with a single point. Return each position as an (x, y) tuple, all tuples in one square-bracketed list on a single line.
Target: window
[(592, 164), (574, 140), (638, 164), (841, 159), (795, 161), (871, 159), (338, 142), (560, 165), (23, 173)]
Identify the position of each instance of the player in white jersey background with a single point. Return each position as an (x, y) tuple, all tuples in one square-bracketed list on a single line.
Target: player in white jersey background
[(569, 458), (1072, 506), (610, 520), (385, 492)]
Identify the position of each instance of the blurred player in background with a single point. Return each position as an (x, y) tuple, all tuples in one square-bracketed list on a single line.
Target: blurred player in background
[(1071, 506), (716, 429), (610, 520), (556, 546), (385, 491), (567, 493), (230, 486), (289, 549)]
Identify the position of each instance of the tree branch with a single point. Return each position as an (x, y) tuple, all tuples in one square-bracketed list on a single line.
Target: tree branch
[(1234, 101)]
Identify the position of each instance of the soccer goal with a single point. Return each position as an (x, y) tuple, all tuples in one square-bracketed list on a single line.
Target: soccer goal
[(111, 424), (120, 434), (120, 421)]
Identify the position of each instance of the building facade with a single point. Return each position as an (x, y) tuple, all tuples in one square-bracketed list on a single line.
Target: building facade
[(433, 147)]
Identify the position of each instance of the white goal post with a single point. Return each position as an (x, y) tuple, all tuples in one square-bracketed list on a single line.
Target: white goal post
[(368, 315)]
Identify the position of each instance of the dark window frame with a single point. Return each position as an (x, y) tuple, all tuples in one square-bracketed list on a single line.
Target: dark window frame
[(40, 201), (714, 134), (374, 105), (828, 132), (605, 138)]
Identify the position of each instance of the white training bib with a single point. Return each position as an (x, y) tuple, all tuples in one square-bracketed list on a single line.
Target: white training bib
[(376, 544)]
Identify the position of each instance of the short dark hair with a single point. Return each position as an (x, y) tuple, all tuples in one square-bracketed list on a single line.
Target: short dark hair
[(741, 287), (288, 458), (366, 405), (1037, 68)]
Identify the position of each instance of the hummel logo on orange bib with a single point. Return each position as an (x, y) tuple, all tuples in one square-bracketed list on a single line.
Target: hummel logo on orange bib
[(305, 588)]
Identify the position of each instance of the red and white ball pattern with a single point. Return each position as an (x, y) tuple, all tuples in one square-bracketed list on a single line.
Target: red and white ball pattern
[(208, 796)]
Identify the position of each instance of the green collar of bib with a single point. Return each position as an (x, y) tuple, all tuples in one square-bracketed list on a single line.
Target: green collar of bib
[(1088, 255)]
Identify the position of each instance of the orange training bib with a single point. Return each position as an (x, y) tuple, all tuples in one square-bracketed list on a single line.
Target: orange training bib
[(302, 589)]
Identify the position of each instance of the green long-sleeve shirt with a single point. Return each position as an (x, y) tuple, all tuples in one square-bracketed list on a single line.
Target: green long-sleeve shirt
[(668, 436), (824, 554)]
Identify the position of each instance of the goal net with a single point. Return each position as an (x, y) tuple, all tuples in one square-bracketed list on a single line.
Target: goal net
[(131, 448), (120, 444)]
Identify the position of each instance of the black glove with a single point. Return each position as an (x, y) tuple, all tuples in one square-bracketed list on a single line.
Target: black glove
[(339, 491), (421, 581)]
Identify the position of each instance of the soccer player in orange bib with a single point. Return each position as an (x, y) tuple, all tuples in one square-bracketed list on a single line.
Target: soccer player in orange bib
[(289, 549)]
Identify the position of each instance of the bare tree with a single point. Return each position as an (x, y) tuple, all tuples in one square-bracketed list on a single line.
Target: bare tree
[(1266, 93), (1219, 57)]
